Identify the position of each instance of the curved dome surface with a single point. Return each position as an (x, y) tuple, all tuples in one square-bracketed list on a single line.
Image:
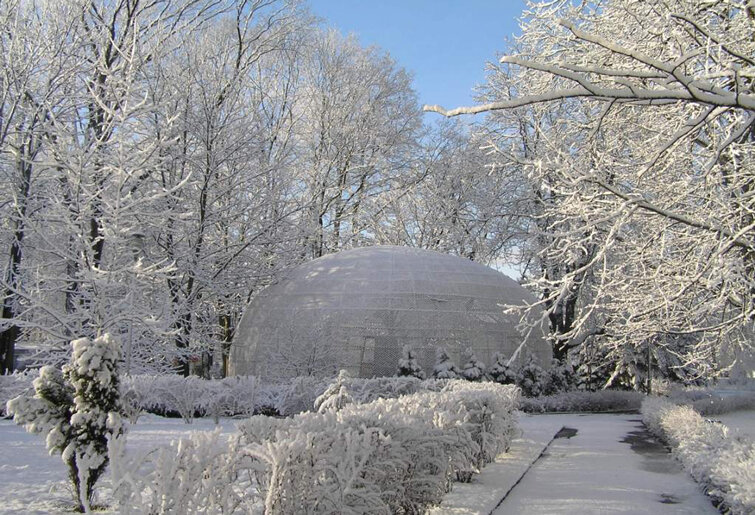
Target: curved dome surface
[(356, 310)]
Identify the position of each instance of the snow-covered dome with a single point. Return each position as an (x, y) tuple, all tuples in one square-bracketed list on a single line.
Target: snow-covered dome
[(356, 309)]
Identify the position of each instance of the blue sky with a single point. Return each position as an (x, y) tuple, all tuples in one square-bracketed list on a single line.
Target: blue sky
[(445, 43)]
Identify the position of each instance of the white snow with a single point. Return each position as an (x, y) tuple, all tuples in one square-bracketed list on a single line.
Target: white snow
[(739, 422), (593, 472), (33, 482)]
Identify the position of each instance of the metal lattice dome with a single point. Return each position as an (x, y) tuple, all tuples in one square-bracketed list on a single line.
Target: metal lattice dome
[(356, 309)]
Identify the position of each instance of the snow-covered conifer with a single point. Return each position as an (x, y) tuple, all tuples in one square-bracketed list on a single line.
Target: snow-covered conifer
[(408, 366), (560, 378), (531, 378), (501, 372), (444, 367), (79, 409), (474, 369), (336, 396)]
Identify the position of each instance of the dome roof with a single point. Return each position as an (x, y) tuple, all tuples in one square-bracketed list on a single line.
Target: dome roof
[(356, 310)]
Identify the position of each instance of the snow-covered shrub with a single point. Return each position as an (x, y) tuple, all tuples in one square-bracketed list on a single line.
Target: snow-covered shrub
[(531, 378), (594, 402), (473, 369), (725, 464), (560, 378), (491, 421), (203, 473), (408, 366), (335, 396), (299, 395), (192, 396), (368, 390), (13, 385), (501, 372), (444, 366), (318, 465), (387, 456), (139, 393), (79, 409), (708, 402)]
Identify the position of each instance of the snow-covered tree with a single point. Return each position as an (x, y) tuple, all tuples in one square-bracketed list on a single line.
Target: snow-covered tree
[(640, 181), (560, 378), (473, 369), (444, 366), (79, 410), (408, 366), (501, 372), (336, 396), (531, 378)]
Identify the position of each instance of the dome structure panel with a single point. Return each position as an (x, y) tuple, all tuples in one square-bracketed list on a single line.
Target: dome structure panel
[(358, 308)]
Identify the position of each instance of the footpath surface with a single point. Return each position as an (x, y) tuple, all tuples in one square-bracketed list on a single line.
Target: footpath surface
[(603, 463)]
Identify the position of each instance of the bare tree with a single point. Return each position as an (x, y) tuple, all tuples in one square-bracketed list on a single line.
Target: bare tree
[(648, 163)]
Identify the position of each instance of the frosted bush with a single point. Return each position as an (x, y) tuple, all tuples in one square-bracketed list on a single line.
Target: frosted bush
[(584, 401), (79, 409), (444, 366), (386, 456), (559, 378), (368, 390), (408, 366), (473, 369), (13, 385), (335, 396), (707, 451), (203, 473), (300, 395), (501, 372), (531, 378)]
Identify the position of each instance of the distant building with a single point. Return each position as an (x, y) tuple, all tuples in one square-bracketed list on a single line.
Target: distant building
[(357, 309)]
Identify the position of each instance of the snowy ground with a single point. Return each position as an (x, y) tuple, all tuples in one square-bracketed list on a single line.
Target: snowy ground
[(610, 465), (607, 466), (33, 482), (739, 422)]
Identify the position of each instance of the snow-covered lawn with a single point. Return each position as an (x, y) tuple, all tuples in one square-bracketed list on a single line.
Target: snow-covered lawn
[(604, 467), (739, 422), (33, 482)]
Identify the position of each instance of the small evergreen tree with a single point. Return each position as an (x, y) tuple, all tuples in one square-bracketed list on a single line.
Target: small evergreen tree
[(408, 366), (336, 396), (531, 378), (474, 369), (79, 409), (501, 372), (444, 367), (560, 378)]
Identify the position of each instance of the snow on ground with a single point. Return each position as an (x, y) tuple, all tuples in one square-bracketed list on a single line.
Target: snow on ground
[(608, 466), (33, 482), (739, 422), (611, 465)]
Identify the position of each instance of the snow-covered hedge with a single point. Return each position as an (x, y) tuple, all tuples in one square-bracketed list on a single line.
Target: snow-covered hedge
[(709, 402), (192, 396), (13, 385), (600, 401), (386, 456), (722, 462), (396, 455)]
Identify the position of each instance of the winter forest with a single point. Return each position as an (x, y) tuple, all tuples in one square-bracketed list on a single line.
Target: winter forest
[(162, 162)]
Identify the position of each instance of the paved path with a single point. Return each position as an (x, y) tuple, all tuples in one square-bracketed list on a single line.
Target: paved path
[(605, 464)]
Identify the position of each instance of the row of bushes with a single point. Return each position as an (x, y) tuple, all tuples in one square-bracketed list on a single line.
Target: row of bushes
[(189, 397), (601, 401), (395, 455), (724, 463)]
